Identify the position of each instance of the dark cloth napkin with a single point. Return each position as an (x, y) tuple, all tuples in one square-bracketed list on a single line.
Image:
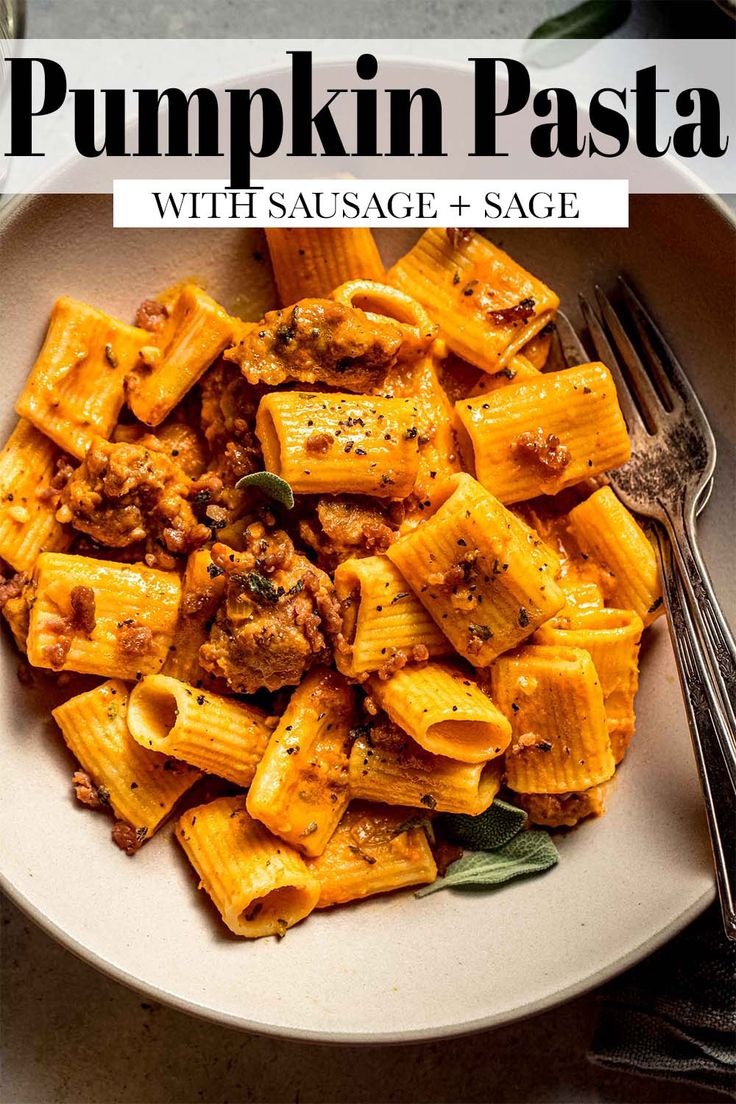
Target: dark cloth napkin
[(674, 1015)]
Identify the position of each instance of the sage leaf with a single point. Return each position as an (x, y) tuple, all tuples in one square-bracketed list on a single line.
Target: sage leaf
[(591, 19), (486, 832), (528, 853), (273, 486)]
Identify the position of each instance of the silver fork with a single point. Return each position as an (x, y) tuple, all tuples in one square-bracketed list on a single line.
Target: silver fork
[(668, 480)]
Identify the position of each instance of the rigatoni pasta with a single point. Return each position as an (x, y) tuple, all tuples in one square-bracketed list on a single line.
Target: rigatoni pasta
[(259, 884), (366, 569), (375, 849), (76, 387), (472, 566), (445, 711), (560, 740), (99, 618), (606, 530), (300, 789), (542, 434), (140, 786), (29, 463), (487, 306), (195, 333), (312, 262), (387, 766), (321, 443), (611, 637), (384, 625), (216, 734)]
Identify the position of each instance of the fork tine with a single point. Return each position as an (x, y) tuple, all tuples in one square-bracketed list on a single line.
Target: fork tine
[(667, 376), (648, 399), (572, 348), (632, 417)]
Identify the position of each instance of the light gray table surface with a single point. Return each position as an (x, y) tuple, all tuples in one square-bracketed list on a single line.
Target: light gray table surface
[(70, 1034)]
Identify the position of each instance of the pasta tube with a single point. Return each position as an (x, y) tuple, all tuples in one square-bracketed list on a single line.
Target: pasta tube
[(76, 387), (436, 424), (536, 351), (605, 529), (325, 443), (390, 767), (300, 789), (563, 810), (375, 849), (487, 305), (259, 884), (140, 786), (480, 572), (611, 637), (101, 618), (15, 611), (381, 302), (308, 263), (219, 735), (554, 699), (28, 525), (203, 588), (518, 368), (384, 624), (444, 711), (540, 435), (195, 334)]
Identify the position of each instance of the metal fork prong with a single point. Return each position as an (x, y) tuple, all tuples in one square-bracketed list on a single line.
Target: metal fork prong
[(667, 363), (668, 377), (632, 417), (649, 401), (572, 348)]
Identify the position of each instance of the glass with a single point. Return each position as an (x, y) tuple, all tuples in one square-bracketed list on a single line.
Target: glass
[(12, 18)]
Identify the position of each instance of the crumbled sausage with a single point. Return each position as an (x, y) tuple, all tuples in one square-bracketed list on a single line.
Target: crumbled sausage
[(399, 659), (57, 652), (562, 810), (521, 312), (318, 341), (229, 406), (134, 640), (86, 791), (278, 618), (83, 618), (343, 526), (128, 492), (318, 442), (544, 450), (12, 586), (59, 480), (128, 839), (151, 315), (458, 235)]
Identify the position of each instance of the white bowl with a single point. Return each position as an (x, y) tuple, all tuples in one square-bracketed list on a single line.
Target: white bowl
[(393, 968)]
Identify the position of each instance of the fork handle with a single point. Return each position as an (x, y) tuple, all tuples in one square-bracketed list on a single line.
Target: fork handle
[(706, 612), (714, 757)]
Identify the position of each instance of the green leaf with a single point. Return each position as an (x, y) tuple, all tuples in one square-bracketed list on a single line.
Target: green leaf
[(273, 486), (591, 19), (486, 832), (528, 853)]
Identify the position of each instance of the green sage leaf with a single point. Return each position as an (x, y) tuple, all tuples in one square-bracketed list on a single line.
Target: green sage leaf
[(591, 19), (528, 853), (269, 484), (486, 832)]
